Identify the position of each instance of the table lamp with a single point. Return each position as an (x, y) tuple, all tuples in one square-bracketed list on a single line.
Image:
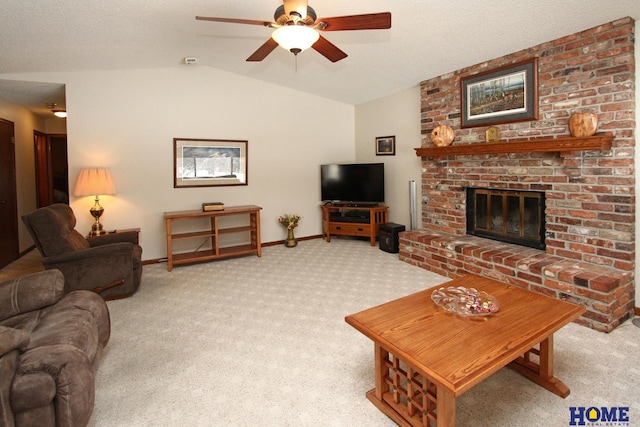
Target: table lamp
[(95, 182)]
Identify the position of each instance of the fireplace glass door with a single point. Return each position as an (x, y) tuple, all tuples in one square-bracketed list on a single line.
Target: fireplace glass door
[(507, 215)]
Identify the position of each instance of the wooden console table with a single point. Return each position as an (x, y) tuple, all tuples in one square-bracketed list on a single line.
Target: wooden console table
[(377, 215), (214, 232)]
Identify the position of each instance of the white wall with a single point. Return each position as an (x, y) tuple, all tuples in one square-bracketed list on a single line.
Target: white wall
[(24, 123), (395, 115), (126, 120)]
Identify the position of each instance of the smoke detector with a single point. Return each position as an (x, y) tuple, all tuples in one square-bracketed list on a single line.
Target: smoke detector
[(190, 60)]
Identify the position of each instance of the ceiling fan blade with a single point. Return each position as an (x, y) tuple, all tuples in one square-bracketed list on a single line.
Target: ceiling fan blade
[(263, 51), (328, 50), (370, 21), (235, 21)]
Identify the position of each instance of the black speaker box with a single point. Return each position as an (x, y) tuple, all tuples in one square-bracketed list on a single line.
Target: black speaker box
[(389, 237)]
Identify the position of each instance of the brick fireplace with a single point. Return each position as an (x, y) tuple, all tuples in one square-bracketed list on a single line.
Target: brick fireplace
[(590, 201)]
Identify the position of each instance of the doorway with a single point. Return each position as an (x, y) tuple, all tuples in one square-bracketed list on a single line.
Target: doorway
[(52, 171), (9, 247)]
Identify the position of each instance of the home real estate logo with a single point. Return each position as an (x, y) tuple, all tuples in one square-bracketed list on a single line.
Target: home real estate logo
[(603, 416)]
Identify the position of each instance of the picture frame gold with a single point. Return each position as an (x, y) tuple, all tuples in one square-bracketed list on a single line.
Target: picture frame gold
[(492, 134)]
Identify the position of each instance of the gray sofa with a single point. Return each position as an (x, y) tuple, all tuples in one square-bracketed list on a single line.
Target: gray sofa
[(110, 264), (50, 344)]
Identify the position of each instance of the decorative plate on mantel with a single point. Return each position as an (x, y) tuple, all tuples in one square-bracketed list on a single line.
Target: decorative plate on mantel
[(465, 301)]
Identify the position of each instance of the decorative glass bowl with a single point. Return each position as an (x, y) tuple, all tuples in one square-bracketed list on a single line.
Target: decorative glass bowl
[(465, 301)]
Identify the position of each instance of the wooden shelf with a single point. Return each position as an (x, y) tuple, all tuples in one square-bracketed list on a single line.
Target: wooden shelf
[(214, 232), (207, 233), (210, 254), (600, 141)]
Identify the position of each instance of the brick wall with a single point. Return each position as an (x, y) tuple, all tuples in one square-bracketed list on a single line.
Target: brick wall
[(590, 195)]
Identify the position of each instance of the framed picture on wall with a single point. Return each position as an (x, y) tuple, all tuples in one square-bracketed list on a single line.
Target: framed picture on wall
[(386, 146), (503, 95), (209, 162)]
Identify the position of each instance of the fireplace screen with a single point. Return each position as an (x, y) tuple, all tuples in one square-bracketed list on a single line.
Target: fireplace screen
[(507, 215)]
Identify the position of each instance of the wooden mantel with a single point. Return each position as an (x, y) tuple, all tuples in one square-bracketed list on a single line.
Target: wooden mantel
[(600, 141)]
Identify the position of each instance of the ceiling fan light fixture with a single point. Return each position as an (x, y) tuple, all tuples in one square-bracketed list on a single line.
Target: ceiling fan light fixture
[(297, 7), (56, 112), (295, 38)]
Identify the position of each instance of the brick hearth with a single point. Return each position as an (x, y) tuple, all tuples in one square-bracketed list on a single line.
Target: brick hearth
[(590, 195), (605, 292)]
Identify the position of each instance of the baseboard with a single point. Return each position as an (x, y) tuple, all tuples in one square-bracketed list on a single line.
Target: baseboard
[(299, 239), (26, 251), (636, 311)]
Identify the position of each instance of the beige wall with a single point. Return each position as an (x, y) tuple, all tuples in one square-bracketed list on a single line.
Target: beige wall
[(126, 120), (398, 115), (24, 123)]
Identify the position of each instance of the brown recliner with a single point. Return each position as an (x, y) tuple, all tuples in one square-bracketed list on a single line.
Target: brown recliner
[(50, 346), (110, 264)]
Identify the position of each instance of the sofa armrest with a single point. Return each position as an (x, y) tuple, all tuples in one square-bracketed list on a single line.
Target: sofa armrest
[(95, 268), (92, 254), (30, 292), (119, 237), (74, 379)]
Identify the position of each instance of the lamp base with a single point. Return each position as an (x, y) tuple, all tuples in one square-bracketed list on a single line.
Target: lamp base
[(97, 230), (96, 212)]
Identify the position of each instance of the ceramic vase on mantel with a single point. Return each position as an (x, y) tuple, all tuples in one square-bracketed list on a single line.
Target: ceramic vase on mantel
[(442, 135), (583, 124), (291, 240)]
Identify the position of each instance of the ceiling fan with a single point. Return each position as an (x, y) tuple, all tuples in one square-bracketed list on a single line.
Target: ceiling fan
[(296, 29)]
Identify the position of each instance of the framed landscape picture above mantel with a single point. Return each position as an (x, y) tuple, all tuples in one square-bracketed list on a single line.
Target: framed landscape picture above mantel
[(503, 95), (209, 162)]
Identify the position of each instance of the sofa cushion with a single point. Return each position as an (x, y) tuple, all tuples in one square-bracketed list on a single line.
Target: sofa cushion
[(55, 230), (68, 322), (8, 363), (30, 292)]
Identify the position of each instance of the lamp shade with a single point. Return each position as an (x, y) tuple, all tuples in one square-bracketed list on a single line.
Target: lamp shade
[(94, 182), (295, 38)]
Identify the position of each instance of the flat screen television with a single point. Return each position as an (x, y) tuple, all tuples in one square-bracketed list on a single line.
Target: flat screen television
[(352, 183)]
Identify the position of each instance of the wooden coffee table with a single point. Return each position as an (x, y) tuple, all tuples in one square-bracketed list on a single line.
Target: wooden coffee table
[(426, 357)]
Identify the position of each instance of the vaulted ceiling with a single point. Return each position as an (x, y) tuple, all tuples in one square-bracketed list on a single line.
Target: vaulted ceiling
[(427, 38)]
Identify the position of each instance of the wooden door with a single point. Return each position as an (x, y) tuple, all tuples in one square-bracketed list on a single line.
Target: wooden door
[(9, 247)]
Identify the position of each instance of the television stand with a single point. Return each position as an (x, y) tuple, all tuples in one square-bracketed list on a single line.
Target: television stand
[(353, 204), (348, 220)]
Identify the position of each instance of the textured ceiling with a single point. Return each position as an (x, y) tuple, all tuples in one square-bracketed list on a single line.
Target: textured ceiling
[(428, 38)]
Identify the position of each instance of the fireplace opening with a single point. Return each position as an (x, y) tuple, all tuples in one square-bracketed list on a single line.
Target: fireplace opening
[(510, 216)]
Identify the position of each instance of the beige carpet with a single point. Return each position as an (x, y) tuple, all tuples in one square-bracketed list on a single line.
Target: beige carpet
[(262, 341)]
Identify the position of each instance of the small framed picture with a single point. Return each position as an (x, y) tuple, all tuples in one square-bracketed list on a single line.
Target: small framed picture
[(386, 146)]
